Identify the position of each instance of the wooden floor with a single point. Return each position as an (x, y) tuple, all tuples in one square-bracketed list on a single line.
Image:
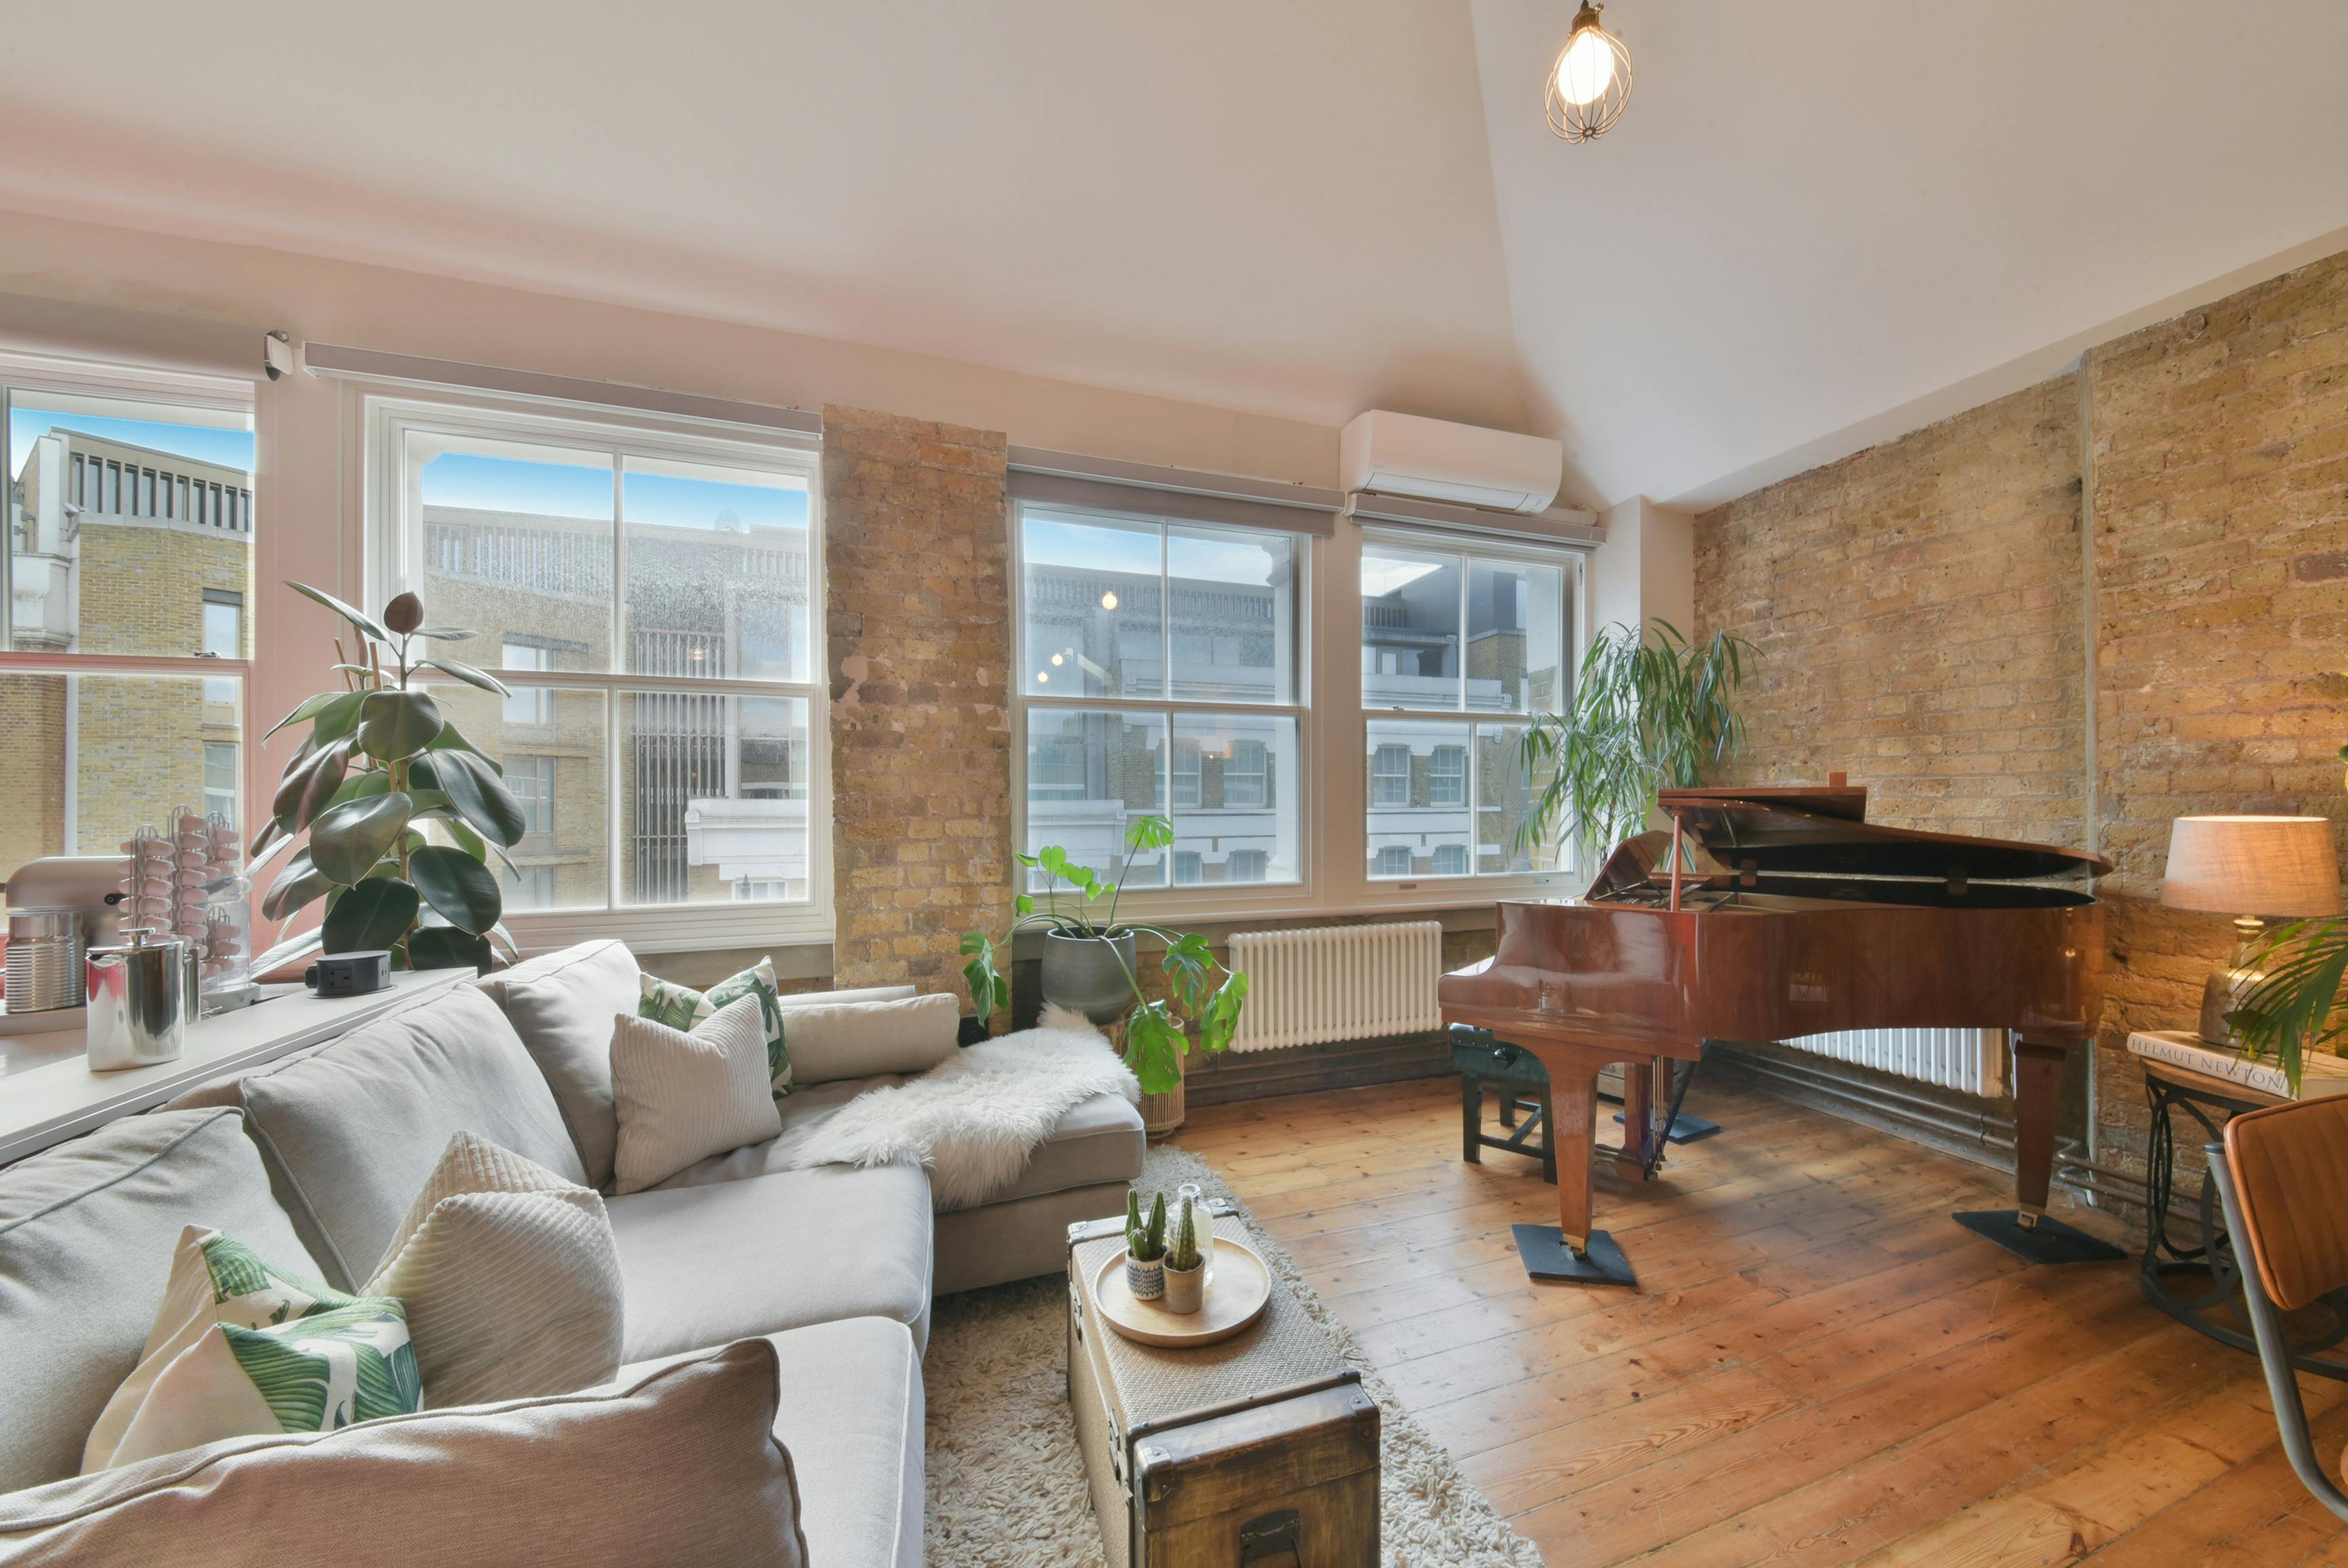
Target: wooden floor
[(1818, 1367)]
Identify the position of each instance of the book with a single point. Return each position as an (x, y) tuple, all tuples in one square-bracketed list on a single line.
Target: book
[(2323, 1075)]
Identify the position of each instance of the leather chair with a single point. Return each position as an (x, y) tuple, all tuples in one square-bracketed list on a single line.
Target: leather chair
[(2282, 1175)]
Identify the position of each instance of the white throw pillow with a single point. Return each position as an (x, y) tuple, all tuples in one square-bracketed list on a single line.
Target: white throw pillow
[(510, 1278), (862, 1040), (214, 1280), (681, 1098)]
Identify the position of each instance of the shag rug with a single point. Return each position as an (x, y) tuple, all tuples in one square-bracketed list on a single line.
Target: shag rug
[(972, 1120), (1006, 1489)]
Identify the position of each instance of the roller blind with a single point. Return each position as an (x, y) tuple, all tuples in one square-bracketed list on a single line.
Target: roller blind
[(1101, 484)]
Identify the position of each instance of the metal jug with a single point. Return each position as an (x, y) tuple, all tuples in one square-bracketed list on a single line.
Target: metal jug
[(138, 1002)]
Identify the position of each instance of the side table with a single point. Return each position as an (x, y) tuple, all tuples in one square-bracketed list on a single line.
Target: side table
[(2194, 1278)]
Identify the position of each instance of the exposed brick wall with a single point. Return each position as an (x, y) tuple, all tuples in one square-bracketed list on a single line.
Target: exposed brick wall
[(1917, 609), (1920, 607), (917, 583), (2221, 524)]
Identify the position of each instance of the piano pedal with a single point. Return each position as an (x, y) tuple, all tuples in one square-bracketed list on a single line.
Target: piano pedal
[(1546, 1257), (1687, 1129), (2049, 1240)]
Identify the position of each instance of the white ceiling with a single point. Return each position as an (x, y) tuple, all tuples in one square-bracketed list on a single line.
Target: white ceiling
[(1819, 221)]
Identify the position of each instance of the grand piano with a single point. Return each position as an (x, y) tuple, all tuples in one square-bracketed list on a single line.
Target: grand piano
[(1772, 913)]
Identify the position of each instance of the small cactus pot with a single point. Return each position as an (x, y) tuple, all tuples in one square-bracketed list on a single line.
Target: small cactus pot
[(1145, 1281), (1186, 1289)]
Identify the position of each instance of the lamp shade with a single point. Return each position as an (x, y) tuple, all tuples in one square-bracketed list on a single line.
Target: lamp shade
[(2252, 865)]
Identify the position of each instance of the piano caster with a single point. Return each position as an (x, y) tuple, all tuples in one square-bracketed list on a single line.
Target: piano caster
[(1549, 1255), (2038, 1238)]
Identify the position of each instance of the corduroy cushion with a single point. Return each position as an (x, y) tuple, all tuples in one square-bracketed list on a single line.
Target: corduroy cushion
[(684, 1096), (681, 1466), (510, 1278), (87, 1232), (2289, 1166)]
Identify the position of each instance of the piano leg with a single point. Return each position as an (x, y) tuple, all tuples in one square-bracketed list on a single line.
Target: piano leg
[(1572, 1251), (2029, 1232), (1638, 1121)]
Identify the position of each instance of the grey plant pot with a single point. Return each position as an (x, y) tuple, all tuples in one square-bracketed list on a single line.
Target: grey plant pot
[(1084, 973)]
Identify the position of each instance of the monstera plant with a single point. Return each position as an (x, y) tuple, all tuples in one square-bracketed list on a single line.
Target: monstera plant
[(381, 765)]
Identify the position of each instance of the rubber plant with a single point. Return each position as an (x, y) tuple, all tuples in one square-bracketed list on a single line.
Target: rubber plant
[(1157, 1037), (1648, 711), (380, 763)]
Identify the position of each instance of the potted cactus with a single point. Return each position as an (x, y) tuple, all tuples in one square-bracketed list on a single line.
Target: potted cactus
[(1186, 1271), (1145, 1248)]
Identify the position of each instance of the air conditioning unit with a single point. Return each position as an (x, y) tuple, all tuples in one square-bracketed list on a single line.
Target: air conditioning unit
[(1466, 465)]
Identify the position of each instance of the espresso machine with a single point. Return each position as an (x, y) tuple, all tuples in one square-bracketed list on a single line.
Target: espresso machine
[(60, 909)]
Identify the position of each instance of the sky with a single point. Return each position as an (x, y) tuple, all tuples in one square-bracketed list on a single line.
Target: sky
[(585, 491), (229, 448)]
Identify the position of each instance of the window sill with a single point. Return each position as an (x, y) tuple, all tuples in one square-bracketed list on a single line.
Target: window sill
[(800, 938)]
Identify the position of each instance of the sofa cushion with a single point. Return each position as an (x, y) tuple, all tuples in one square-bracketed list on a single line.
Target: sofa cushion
[(865, 1039), (853, 1423), (87, 1232), (858, 994), (561, 1004), (680, 1466), (1095, 1141), (682, 1008), (705, 1264), (353, 1132)]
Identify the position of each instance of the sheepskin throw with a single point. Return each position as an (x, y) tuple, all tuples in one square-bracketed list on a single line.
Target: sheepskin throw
[(976, 1119)]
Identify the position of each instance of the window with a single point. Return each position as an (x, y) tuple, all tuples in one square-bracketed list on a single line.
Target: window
[(531, 780), (1160, 672), (531, 887), (1447, 776), (651, 594), (95, 751), (1187, 772), (1459, 644), (223, 636), (1243, 776), (533, 705), (220, 779)]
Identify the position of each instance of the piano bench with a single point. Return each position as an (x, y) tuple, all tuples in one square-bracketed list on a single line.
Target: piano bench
[(1483, 1059)]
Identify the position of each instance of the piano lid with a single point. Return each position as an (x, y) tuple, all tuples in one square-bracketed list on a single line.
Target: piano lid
[(1824, 833)]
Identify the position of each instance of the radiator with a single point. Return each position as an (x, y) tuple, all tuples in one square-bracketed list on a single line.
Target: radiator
[(1973, 1061), (1337, 983)]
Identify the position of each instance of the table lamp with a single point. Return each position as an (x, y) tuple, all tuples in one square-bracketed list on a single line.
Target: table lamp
[(2248, 867)]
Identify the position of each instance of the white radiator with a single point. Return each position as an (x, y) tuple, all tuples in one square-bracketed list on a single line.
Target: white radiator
[(1337, 983), (1973, 1061)]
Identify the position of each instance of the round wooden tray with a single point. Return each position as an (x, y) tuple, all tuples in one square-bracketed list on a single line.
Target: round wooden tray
[(1238, 1289)]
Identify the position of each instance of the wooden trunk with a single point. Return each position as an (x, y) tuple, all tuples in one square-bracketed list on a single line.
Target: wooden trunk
[(1260, 1452)]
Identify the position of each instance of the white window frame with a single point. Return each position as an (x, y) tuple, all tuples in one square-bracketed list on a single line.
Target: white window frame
[(387, 418), (1175, 901), (41, 375), (1372, 887)]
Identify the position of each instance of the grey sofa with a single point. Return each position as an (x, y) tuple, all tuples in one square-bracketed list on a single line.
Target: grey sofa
[(316, 1158)]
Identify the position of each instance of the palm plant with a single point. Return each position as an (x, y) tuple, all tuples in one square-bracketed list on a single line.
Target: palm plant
[(2289, 1011), (1648, 712), (1156, 1036), (379, 764)]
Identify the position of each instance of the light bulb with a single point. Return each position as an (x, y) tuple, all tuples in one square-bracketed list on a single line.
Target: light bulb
[(1045, 677), (1057, 661), (1109, 599), (1587, 69)]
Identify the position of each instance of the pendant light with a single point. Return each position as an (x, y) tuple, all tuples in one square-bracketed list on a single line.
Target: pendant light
[(1591, 81)]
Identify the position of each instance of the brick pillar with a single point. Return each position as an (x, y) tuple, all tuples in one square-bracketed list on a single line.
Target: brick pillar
[(916, 571)]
